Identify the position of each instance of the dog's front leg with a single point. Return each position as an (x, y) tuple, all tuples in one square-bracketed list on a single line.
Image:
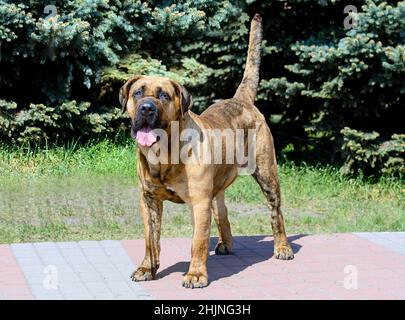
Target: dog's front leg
[(197, 276), (151, 212)]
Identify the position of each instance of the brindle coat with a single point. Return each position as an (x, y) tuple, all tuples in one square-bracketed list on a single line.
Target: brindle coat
[(202, 186)]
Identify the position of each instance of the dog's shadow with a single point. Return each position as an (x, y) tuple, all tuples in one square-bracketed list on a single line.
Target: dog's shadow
[(247, 251)]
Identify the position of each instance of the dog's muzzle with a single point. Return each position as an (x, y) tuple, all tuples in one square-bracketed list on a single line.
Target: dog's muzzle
[(146, 119)]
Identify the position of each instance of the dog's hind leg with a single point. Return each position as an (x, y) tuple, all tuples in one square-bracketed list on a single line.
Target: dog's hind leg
[(151, 212), (267, 177), (224, 245)]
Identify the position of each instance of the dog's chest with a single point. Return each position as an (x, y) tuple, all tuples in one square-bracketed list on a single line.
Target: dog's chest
[(173, 182), (164, 181), (172, 195)]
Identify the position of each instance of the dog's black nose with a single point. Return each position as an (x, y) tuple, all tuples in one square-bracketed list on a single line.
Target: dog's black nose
[(147, 108)]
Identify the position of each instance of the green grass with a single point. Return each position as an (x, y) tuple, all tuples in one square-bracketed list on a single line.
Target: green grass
[(90, 192), (103, 158)]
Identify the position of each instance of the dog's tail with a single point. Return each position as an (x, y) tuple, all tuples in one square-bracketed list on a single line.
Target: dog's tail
[(248, 87)]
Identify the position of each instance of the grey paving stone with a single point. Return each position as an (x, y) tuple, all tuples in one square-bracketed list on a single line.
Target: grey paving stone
[(37, 279), (119, 286), (70, 245), (72, 260), (391, 236), (62, 268), (29, 261), (69, 278), (115, 251), (137, 290), (97, 286), (30, 271), (398, 248), (400, 242), (89, 244), (120, 257), (104, 267), (90, 276), (383, 241), (22, 246), (54, 261), (125, 269), (401, 234), (49, 293), (85, 270), (49, 253), (79, 296), (104, 296), (49, 297), (126, 296), (45, 246), (72, 256), (25, 253), (99, 259), (72, 252), (367, 235), (77, 260), (122, 264), (107, 276), (69, 288), (38, 289), (110, 244), (140, 291), (390, 240), (95, 252)]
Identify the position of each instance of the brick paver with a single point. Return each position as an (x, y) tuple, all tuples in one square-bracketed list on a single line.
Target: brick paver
[(78, 270), (12, 282), (332, 266), (391, 240), (321, 266)]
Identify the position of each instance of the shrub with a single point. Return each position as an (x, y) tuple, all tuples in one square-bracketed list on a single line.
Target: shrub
[(317, 77), (349, 80), (366, 153), (65, 122)]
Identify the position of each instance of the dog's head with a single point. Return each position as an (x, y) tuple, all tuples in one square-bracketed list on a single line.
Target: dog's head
[(153, 103)]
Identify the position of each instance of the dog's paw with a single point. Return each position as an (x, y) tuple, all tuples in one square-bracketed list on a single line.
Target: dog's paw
[(283, 252), (142, 274), (223, 249), (195, 280)]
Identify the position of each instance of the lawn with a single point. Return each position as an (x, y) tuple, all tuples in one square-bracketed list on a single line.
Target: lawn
[(90, 192)]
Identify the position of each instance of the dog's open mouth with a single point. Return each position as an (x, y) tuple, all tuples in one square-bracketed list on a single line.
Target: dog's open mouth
[(146, 136)]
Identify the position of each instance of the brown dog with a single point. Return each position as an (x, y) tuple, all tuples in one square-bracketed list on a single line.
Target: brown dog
[(153, 103)]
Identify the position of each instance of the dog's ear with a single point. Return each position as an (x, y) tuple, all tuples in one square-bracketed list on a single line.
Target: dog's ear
[(124, 91), (186, 100)]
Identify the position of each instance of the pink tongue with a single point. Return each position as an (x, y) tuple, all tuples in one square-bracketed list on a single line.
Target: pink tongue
[(146, 137)]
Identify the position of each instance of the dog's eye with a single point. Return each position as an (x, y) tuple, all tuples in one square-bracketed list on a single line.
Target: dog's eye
[(138, 94), (163, 96)]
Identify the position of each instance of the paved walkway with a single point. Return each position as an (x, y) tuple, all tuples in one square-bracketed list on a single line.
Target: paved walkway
[(334, 266)]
